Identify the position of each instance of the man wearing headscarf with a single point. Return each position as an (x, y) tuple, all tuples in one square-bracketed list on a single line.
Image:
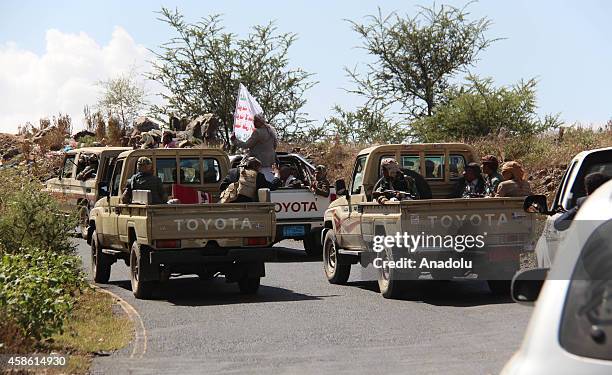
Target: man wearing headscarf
[(261, 144), (393, 183), (471, 184), (515, 182), (492, 178), (320, 185)]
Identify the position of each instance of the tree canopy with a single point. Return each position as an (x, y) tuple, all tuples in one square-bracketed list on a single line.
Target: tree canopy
[(202, 66)]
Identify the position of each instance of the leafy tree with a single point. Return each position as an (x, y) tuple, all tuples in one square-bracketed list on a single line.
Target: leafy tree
[(415, 57), (122, 97), (202, 67), (364, 126), (479, 109)]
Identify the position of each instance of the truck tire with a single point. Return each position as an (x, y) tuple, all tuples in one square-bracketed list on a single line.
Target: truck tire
[(83, 220), (390, 283), (337, 272), (249, 285), (141, 289), (499, 287), (100, 262), (312, 243)]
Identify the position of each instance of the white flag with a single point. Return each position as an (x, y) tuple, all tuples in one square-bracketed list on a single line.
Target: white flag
[(246, 109)]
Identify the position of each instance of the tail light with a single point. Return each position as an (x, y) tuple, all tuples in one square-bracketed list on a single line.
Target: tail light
[(168, 244), (332, 197), (256, 241)]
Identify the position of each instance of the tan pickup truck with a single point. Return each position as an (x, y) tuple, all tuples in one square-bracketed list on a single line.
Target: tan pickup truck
[(459, 237), (80, 194), (161, 240)]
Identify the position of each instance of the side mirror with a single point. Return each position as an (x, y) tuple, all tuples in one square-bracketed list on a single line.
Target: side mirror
[(526, 285), (341, 188), (536, 203)]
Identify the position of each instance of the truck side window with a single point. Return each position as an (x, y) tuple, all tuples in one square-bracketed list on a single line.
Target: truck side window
[(166, 170), (212, 171), (68, 166), (456, 166), (434, 167), (116, 178), (358, 174), (190, 171)]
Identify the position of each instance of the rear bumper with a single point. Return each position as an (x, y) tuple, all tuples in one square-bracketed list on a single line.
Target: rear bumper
[(204, 256)]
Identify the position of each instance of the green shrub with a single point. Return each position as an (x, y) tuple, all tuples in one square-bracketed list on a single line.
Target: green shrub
[(37, 289), (31, 218)]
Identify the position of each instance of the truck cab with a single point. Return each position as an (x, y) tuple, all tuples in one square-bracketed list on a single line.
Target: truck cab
[(78, 192)]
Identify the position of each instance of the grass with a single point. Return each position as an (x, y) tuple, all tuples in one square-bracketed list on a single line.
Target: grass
[(97, 324)]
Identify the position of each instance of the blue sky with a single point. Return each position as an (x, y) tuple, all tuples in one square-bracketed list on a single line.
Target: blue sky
[(565, 45)]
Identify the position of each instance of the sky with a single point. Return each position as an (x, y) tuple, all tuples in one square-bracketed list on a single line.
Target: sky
[(52, 54)]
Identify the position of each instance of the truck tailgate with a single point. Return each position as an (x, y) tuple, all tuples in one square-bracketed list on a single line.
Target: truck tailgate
[(212, 221)]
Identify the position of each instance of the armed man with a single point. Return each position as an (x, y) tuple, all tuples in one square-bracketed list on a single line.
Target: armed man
[(145, 180), (320, 186), (394, 185)]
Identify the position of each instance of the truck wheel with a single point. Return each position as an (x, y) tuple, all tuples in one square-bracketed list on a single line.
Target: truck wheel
[(100, 262), (499, 287), (141, 289), (312, 243), (337, 272), (389, 282), (83, 220), (249, 285)]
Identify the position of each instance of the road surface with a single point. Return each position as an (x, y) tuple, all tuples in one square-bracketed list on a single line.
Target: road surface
[(300, 324)]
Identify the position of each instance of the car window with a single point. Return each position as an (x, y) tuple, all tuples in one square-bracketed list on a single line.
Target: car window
[(116, 178), (586, 324), (434, 167), (166, 170), (358, 174), (190, 171), (212, 171), (412, 162), (68, 166), (456, 166)]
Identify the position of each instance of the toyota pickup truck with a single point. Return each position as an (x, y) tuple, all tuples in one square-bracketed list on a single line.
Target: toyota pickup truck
[(299, 212), (497, 230), (78, 195), (158, 241)]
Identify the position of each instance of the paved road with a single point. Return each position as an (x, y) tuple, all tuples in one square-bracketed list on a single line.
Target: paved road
[(300, 324)]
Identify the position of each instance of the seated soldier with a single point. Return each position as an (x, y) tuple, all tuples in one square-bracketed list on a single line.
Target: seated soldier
[(515, 182), (394, 184), (145, 180), (471, 185), (90, 170), (320, 185), (285, 178), (243, 182)]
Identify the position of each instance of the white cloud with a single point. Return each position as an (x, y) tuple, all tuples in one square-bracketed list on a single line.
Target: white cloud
[(62, 79)]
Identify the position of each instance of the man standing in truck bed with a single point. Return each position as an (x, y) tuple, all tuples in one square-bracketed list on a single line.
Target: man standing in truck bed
[(393, 183), (145, 180), (261, 145)]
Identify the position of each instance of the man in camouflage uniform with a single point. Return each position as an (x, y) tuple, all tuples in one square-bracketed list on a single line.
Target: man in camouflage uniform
[(145, 180), (492, 178), (321, 184), (393, 183)]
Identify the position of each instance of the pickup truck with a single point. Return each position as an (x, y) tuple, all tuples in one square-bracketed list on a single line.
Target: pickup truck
[(570, 190), (299, 212), (79, 195), (353, 222), (158, 241)]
